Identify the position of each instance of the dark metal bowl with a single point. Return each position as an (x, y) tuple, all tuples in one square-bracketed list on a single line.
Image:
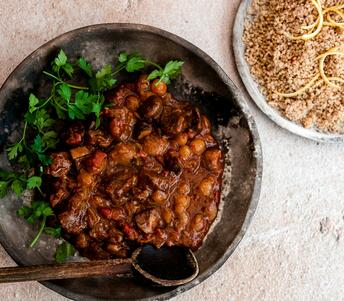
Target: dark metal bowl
[(202, 82)]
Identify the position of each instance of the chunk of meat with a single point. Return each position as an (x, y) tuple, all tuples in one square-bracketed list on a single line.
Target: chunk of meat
[(116, 236), (63, 187), (151, 108), (155, 145), (82, 240), (122, 154), (60, 165), (205, 125), (98, 137), (172, 163), (142, 130), (130, 232), (97, 162), (100, 231), (141, 195), (75, 134), (132, 102), (120, 183), (161, 182), (95, 251), (73, 220), (148, 220), (143, 87), (173, 121), (212, 159), (85, 180), (92, 217), (79, 152), (121, 124), (119, 250), (119, 95)]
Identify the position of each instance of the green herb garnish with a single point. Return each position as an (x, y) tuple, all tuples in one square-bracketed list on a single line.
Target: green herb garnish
[(39, 210), (63, 251)]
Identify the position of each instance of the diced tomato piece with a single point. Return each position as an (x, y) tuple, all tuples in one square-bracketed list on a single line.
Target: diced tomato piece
[(106, 212)]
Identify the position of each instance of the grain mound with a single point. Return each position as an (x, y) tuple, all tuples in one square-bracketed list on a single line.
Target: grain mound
[(280, 64)]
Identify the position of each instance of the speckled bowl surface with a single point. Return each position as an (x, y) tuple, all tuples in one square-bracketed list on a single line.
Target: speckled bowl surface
[(202, 82)]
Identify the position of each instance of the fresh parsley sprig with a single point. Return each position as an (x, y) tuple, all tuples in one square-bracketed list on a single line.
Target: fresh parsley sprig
[(17, 183), (39, 210), (134, 62), (63, 251)]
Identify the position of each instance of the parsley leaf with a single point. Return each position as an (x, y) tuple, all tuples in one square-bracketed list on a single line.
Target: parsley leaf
[(85, 66), (43, 120), (154, 74), (18, 187), (171, 70), (14, 150), (39, 210), (103, 79), (38, 148), (65, 92), (84, 102), (64, 251), (135, 63), (131, 62), (49, 139), (83, 105), (123, 57), (54, 232), (34, 182), (11, 180), (3, 188), (33, 101), (61, 61)]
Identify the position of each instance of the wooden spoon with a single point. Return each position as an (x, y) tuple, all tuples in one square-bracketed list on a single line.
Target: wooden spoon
[(167, 266)]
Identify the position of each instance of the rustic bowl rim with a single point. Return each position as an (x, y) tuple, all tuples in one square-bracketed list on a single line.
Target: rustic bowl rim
[(241, 101)]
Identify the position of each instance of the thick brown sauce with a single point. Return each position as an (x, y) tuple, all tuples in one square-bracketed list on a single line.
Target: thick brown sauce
[(151, 174)]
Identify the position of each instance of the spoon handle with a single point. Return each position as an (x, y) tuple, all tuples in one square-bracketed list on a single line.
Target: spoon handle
[(66, 270)]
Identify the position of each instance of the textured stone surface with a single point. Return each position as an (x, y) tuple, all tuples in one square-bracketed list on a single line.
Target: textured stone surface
[(294, 247)]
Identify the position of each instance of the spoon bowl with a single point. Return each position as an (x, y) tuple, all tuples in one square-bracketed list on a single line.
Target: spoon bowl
[(167, 266)]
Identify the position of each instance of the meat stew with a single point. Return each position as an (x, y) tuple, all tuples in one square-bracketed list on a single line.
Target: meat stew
[(151, 173)]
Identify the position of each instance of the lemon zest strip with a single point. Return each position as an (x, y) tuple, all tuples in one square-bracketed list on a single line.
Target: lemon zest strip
[(303, 89)]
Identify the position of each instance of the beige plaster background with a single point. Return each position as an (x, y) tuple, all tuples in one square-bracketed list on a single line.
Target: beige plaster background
[(294, 247)]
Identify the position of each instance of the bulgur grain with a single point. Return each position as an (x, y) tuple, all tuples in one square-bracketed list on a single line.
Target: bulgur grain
[(280, 64)]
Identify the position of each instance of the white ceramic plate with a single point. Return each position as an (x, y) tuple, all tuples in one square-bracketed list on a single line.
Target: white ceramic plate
[(254, 91)]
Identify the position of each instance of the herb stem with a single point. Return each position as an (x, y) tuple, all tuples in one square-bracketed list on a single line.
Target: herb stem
[(40, 191), (62, 108), (118, 70), (52, 76), (22, 139), (39, 232), (77, 87), (42, 105), (152, 63), (62, 82)]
